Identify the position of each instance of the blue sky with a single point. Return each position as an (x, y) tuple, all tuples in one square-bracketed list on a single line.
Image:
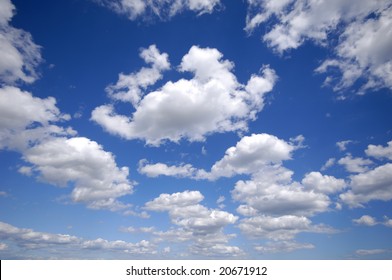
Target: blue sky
[(195, 129)]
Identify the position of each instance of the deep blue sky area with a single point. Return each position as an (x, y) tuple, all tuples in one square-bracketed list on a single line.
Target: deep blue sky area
[(194, 129)]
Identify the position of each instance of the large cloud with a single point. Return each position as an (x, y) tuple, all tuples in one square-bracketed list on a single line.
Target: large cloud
[(30, 125), (364, 30), (19, 55), (212, 101), (163, 9)]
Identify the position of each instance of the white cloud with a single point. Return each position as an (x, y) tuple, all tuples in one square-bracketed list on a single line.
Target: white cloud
[(282, 246), (271, 192), (212, 101), (366, 220), (195, 223), (19, 55), (375, 184), (60, 244), (98, 181), (129, 88), (342, 145), (330, 162), (322, 183), (367, 252), (25, 119), (186, 212), (362, 50), (29, 125), (355, 165), (165, 9), (250, 155), (158, 169), (279, 228), (378, 151), (166, 202), (3, 246), (387, 222)]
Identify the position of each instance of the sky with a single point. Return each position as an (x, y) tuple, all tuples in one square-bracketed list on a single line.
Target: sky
[(195, 129)]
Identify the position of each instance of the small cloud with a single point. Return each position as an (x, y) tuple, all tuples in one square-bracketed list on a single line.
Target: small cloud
[(330, 162), (364, 252), (342, 145), (366, 220)]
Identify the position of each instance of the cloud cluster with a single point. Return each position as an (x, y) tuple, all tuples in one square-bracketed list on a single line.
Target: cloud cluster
[(213, 101), (363, 29), (30, 125), (196, 223), (61, 244), (273, 205), (19, 54), (163, 9)]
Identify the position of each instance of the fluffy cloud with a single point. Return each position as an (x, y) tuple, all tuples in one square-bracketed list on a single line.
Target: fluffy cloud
[(25, 119), (129, 88), (279, 228), (355, 165), (201, 226), (342, 145), (186, 212), (158, 169), (262, 196), (29, 125), (165, 9), (378, 151), (375, 184), (28, 239), (19, 55), (366, 220), (98, 180), (212, 101), (250, 155), (323, 183), (362, 26)]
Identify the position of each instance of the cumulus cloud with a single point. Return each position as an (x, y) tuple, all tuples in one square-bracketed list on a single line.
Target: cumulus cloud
[(379, 151), (263, 195), (186, 212), (375, 184), (19, 55), (249, 155), (362, 27), (30, 125), (165, 9), (129, 88), (97, 179), (323, 183), (213, 101), (195, 223), (279, 228), (366, 220), (355, 165), (28, 239), (25, 119)]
